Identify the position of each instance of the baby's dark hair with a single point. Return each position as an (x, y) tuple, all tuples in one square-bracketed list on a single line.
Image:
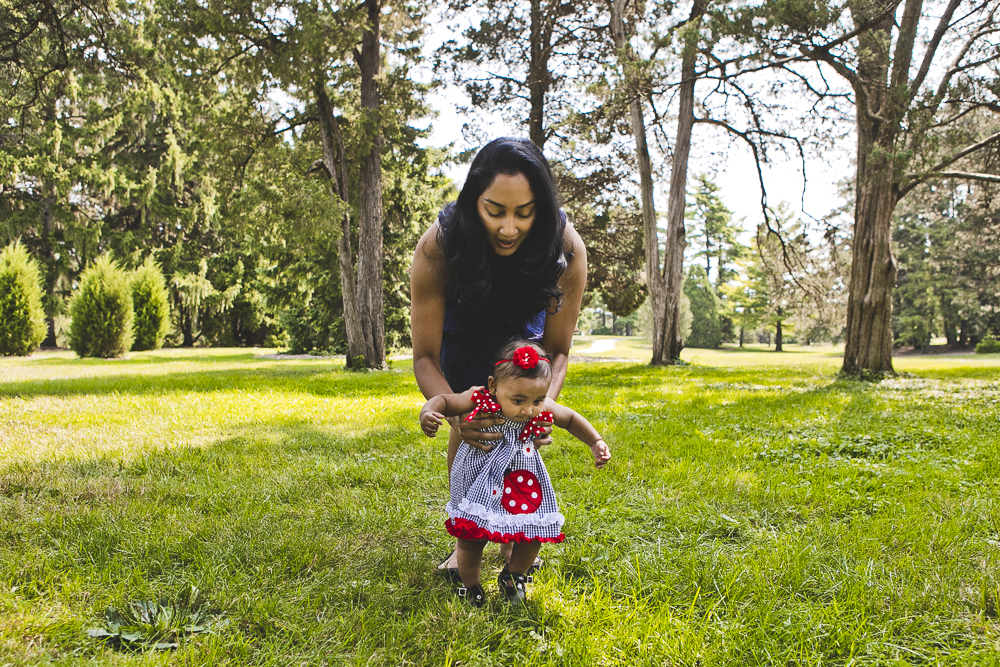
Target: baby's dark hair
[(509, 369)]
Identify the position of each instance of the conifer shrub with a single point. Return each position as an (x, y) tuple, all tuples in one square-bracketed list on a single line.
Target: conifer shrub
[(22, 320), (988, 346), (150, 306), (101, 312)]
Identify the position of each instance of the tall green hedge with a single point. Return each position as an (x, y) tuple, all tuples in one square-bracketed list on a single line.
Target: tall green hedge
[(150, 305), (22, 320), (101, 312)]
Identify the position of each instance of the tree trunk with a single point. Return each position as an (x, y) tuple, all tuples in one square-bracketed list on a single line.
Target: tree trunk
[(868, 346), (370, 250), (333, 153), (778, 338), (51, 276), (948, 313), (741, 335), (673, 266), (873, 266), (665, 287), (538, 74)]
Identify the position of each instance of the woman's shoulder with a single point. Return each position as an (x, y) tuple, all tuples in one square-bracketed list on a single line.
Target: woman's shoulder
[(429, 257), (573, 244)]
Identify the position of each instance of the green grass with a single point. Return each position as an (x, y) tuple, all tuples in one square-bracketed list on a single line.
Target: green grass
[(757, 511)]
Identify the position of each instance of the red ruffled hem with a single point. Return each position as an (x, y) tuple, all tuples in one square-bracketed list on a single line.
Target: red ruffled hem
[(469, 530)]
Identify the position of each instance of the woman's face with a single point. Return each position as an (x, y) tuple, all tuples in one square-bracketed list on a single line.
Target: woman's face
[(507, 210)]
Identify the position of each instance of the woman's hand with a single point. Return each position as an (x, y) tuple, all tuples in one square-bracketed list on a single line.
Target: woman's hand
[(472, 433)]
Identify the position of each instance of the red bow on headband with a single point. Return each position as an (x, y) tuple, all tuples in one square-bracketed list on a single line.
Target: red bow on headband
[(525, 357), (532, 429), (484, 403)]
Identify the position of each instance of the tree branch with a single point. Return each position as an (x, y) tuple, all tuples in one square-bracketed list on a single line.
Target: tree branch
[(942, 27), (970, 176), (937, 170)]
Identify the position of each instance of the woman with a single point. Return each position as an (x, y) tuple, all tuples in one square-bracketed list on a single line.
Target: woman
[(500, 263)]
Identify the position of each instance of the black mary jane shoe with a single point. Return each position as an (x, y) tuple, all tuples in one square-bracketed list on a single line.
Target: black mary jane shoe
[(474, 595), (513, 586), (449, 573)]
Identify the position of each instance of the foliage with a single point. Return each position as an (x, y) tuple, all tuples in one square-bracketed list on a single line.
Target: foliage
[(303, 501), (101, 311), (988, 346), (705, 330), (947, 240), (712, 233), (157, 624), (22, 320), (150, 306)]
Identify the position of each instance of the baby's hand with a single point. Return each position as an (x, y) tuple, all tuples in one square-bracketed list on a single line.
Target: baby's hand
[(601, 452), (430, 421)]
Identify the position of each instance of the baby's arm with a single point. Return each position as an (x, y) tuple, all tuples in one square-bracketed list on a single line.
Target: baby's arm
[(444, 405), (584, 431)]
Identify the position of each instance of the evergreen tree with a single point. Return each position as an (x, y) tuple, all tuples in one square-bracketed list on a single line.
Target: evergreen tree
[(150, 306), (101, 311), (22, 320), (705, 329)]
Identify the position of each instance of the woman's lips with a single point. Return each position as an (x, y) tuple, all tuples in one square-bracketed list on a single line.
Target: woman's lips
[(506, 244)]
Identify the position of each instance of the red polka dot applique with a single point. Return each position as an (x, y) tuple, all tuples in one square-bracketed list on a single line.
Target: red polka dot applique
[(521, 492)]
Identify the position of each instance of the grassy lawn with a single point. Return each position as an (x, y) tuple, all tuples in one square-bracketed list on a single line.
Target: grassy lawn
[(758, 511)]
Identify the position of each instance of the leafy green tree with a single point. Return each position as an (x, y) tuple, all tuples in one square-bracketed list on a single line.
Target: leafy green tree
[(946, 239), (705, 330), (101, 311), (196, 298), (711, 233), (748, 299), (150, 306), (22, 320)]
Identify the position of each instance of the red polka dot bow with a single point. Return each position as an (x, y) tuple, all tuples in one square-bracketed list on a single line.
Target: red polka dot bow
[(532, 429), (484, 403)]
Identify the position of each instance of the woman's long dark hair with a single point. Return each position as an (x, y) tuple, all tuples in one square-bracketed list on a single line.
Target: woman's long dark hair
[(463, 240)]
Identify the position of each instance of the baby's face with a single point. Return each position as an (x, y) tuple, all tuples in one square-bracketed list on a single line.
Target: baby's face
[(520, 399)]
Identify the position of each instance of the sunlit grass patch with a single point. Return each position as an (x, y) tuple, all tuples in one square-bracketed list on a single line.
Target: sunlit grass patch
[(758, 510)]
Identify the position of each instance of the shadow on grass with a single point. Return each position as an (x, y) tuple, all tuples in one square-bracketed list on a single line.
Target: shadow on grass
[(319, 380), (147, 358)]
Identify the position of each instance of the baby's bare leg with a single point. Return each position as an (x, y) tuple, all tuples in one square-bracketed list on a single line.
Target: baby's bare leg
[(470, 560), (522, 556)]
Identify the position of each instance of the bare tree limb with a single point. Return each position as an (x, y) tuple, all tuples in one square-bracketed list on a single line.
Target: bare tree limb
[(937, 170), (970, 176), (942, 27)]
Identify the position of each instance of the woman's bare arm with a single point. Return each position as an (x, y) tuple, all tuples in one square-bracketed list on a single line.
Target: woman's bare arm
[(559, 327), (428, 295), (428, 290)]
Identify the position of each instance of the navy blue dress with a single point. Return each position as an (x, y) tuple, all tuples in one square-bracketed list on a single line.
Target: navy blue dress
[(473, 337)]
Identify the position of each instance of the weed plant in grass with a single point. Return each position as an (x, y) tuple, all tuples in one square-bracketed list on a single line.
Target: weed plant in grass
[(756, 511)]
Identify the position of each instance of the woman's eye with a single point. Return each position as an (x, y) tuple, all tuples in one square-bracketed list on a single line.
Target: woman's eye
[(525, 216), (494, 214)]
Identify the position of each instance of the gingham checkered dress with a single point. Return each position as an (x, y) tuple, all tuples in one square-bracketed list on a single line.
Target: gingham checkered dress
[(503, 495)]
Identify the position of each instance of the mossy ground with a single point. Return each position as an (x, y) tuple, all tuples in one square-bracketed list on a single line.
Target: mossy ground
[(757, 511)]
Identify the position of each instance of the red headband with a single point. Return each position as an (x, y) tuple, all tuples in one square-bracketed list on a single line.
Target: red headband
[(525, 357)]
